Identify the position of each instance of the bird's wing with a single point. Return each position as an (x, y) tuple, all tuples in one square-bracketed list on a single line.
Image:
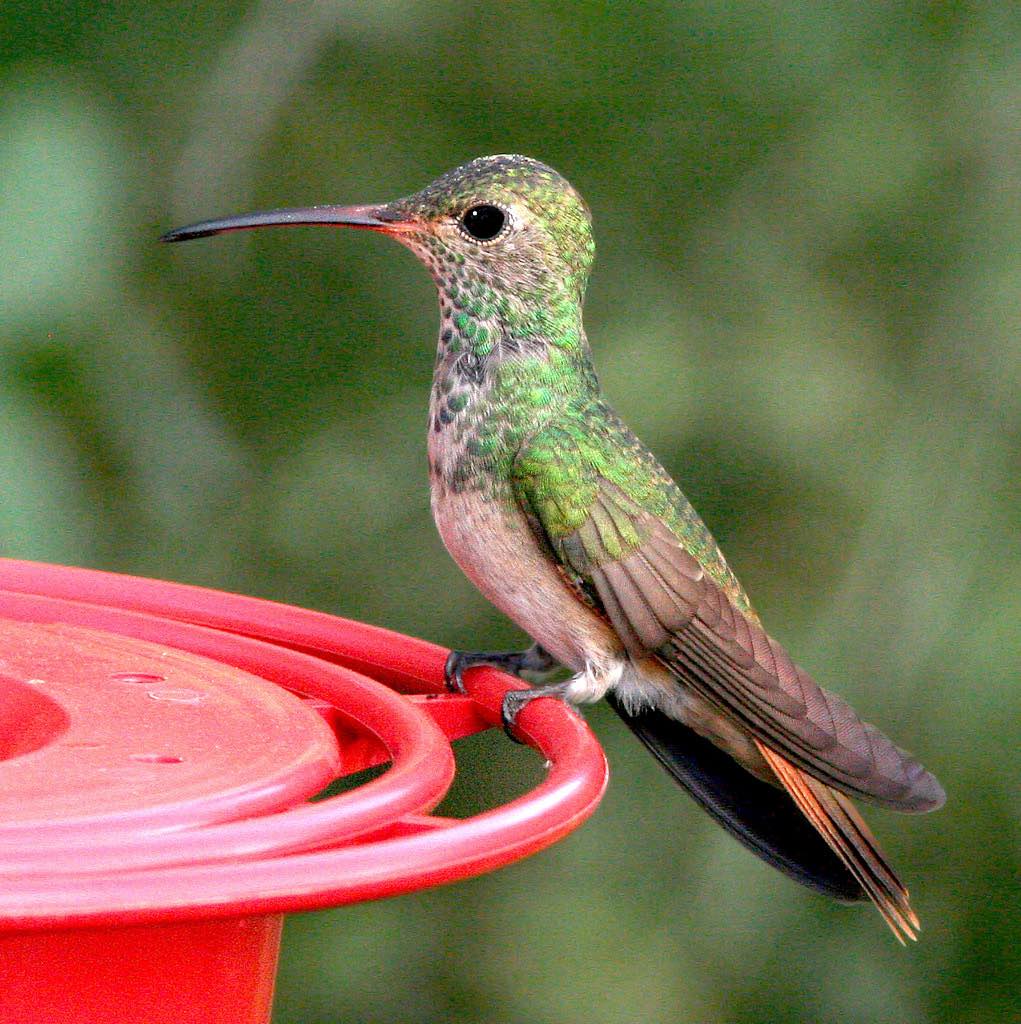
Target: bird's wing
[(629, 564)]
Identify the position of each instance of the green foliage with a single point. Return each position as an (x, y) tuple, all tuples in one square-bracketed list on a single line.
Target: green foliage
[(805, 302)]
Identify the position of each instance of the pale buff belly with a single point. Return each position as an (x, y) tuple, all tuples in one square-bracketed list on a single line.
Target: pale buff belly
[(496, 550)]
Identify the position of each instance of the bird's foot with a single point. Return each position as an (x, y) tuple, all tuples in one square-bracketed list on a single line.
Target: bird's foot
[(535, 659), (515, 701)]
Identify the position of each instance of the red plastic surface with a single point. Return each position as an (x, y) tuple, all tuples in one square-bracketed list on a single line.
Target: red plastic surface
[(192, 972), (243, 840), (148, 739)]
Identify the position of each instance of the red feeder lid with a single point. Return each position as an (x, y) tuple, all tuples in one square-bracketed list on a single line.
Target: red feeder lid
[(159, 745)]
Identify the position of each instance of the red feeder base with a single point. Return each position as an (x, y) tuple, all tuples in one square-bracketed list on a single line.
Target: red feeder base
[(176, 973)]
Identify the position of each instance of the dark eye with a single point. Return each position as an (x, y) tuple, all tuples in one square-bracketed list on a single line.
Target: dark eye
[(484, 222)]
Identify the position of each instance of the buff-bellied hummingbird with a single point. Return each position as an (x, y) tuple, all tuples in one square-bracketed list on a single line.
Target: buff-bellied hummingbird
[(563, 519)]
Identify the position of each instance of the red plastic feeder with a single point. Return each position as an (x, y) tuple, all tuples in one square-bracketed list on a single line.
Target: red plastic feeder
[(159, 746)]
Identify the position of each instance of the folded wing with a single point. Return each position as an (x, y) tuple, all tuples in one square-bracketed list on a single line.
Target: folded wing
[(633, 567)]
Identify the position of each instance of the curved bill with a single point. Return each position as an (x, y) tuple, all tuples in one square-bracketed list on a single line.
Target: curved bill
[(373, 218)]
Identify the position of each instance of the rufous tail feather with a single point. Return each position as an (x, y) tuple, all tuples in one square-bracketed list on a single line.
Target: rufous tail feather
[(843, 828)]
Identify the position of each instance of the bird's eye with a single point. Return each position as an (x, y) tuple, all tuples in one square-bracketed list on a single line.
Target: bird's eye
[(484, 222)]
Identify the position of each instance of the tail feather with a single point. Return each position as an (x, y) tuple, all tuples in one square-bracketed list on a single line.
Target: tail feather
[(840, 824), (759, 815)]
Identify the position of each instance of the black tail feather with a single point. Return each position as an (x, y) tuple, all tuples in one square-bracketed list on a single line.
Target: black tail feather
[(762, 817)]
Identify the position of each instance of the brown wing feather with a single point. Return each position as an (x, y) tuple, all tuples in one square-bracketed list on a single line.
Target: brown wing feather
[(660, 600)]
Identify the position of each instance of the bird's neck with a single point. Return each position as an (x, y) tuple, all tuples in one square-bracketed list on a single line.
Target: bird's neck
[(505, 365)]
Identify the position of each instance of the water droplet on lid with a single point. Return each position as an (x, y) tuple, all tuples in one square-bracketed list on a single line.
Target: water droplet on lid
[(137, 677), (177, 695)]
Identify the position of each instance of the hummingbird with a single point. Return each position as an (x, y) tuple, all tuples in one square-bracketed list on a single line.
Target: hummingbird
[(567, 522)]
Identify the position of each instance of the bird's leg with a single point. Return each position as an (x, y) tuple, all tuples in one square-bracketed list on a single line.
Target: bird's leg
[(535, 659)]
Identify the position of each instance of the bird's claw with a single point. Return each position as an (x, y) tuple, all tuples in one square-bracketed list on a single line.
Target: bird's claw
[(453, 672), (515, 701)]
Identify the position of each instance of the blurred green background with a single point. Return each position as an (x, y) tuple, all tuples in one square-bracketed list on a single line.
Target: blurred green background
[(806, 301)]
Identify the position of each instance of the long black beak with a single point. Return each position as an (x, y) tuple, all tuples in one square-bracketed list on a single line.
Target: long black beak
[(372, 218)]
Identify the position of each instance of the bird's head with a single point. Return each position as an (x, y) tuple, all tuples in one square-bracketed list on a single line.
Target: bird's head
[(508, 224)]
